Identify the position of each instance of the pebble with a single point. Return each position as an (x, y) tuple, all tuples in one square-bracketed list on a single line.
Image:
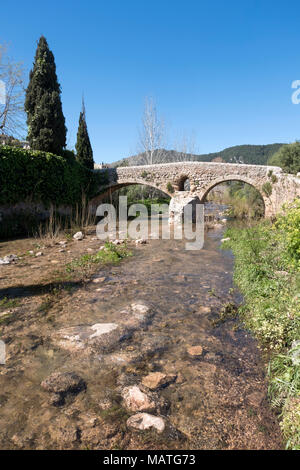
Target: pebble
[(195, 351)]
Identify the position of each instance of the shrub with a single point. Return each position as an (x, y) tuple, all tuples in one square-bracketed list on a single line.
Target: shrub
[(170, 187), (267, 188), (288, 225), (28, 175), (274, 179)]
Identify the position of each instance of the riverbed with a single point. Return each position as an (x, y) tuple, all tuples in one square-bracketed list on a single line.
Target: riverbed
[(217, 399)]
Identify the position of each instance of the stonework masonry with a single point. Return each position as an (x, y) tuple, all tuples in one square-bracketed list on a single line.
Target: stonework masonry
[(170, 178)]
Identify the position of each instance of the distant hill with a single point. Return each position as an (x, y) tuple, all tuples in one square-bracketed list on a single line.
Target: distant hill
[(249, 154)]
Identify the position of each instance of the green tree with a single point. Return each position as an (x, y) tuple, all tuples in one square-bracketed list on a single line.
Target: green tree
[(288, 158), (83, 145), (45, 119)]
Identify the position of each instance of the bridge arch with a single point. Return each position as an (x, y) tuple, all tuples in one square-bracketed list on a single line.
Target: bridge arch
[(183, 183), (225, 179), (106, 191)]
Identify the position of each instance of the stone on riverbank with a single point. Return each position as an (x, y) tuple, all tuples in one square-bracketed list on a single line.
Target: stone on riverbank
[(8, 259), (141, 241), (78, 236)]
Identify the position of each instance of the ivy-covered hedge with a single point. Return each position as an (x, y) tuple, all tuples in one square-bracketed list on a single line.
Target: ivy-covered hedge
[(28, 175)]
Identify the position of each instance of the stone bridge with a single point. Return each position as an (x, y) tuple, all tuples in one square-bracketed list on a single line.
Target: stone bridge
[(171, 178)]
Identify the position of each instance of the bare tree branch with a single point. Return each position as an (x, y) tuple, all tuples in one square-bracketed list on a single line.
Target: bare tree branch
[(186, 147), (151, 135), (12, 116)]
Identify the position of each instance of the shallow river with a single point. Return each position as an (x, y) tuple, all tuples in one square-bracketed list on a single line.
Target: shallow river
[(219, 400)]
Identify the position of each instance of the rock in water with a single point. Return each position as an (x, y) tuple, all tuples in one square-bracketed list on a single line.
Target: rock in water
[(99, 337), (143, 421), (205, 310), (156, 380), (136, 315), (60, 384), (195, 351), (104, 337), (136, 400)]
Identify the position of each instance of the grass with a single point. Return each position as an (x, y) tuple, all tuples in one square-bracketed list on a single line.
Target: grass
[(110, 254), (6, 303), (267, 272)]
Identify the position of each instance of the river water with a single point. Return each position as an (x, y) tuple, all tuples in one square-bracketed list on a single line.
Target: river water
[(219, 400)]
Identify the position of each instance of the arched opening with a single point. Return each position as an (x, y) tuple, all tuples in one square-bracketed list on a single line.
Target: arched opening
[(136, 194), (184, 184), (233, 198)]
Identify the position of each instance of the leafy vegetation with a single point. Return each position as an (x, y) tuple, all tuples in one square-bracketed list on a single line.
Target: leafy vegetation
[(170, 187), (36, 176), (288, 158), (8, 303), (267, 188), (110, 254), (139, 194), (243, 200), (267, 271)]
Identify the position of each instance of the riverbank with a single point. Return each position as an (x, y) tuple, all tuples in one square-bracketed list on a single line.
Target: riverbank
[(267, 272)]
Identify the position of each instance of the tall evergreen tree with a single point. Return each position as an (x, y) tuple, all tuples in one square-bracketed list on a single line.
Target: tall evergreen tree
[(83, 145), (45, 119)]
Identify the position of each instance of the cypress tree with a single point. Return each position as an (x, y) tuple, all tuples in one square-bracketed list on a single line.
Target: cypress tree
[(83, 145), (45, 119)]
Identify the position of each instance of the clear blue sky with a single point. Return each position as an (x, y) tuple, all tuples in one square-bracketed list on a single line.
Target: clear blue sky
[(220, 69)]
